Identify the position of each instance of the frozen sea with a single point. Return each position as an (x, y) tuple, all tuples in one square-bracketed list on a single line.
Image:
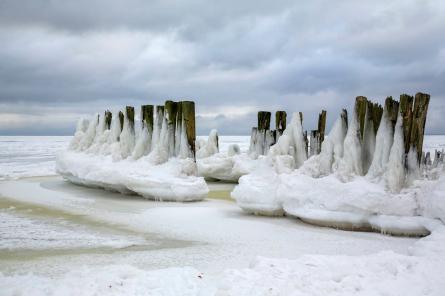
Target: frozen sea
[(29, 156)]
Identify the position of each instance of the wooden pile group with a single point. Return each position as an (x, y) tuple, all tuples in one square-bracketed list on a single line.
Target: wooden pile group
[(263, 137), (175, 117), (413, 110)]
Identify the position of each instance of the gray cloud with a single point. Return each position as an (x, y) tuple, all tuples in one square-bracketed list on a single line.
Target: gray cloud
[(233, 58)]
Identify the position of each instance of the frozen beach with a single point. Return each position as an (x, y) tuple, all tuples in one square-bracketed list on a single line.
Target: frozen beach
[(55, 235)]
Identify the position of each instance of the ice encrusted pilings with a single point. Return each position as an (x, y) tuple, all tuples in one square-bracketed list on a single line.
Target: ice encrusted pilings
[(155, 158), (370, 172), (262, 137)]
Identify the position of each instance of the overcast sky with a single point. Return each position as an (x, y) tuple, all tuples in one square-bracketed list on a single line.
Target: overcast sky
[(63, 59)]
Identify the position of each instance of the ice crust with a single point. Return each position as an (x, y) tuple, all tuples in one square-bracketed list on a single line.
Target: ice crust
[(132, 164), (334, 189)]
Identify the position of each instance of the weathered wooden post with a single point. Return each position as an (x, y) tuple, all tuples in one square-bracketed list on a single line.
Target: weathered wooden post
[(121, 120), (159, 116), (263, 128), (322, 126), (178, 129), (280, 122), (361, 104), (108, 117), (171, 110), (421, 103), (377, 112), (315, 142), (305, 138), (392, 108), (129, 110), (344, 118), (406, 110), (263, 120), (188, 117), (147, 117)]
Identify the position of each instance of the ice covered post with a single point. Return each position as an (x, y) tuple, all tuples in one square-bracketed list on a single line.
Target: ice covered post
[(406, 111), (147, 117), (420, 110), (361, 103), (392, 109), (280, 122), (108, 118), (317, 136), (121, 120), (263, 135), (322, 125), (188, 119), (305, 138), (171, 111), (178, 129), (129, 111)]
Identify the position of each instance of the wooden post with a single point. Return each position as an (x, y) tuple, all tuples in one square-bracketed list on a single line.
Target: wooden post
[(108, 117), (321, 127), (315, 142), (171, 110), (406, 110), (121, 120), (129, 110), (361, 104), (253, 140), (280, 122), (344, 118), (392, 108), (377, 112), (263, 120), (188, 116), (147, 117), (421, 103), (159, 117), (178, 128)]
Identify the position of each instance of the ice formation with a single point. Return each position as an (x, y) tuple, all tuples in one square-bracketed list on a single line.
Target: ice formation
[(336, 188), (122, 160)]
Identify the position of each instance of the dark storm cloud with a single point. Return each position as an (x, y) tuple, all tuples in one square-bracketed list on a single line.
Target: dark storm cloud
[(233, 57)]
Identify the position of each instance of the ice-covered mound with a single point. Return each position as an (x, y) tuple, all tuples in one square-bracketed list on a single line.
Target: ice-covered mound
[(155, 161), (226, 166), (174, 180)]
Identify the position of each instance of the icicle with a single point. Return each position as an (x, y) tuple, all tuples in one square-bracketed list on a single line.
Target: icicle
[(81, 128), (351, 163), (368, 139), (384, 140), (127, 138), (100, 137), (298, 140), (332, 147), (210, 147), (88, 139), (395, 175)]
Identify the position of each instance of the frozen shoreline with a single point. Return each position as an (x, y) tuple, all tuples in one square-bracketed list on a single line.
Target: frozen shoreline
[(227, 256)]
